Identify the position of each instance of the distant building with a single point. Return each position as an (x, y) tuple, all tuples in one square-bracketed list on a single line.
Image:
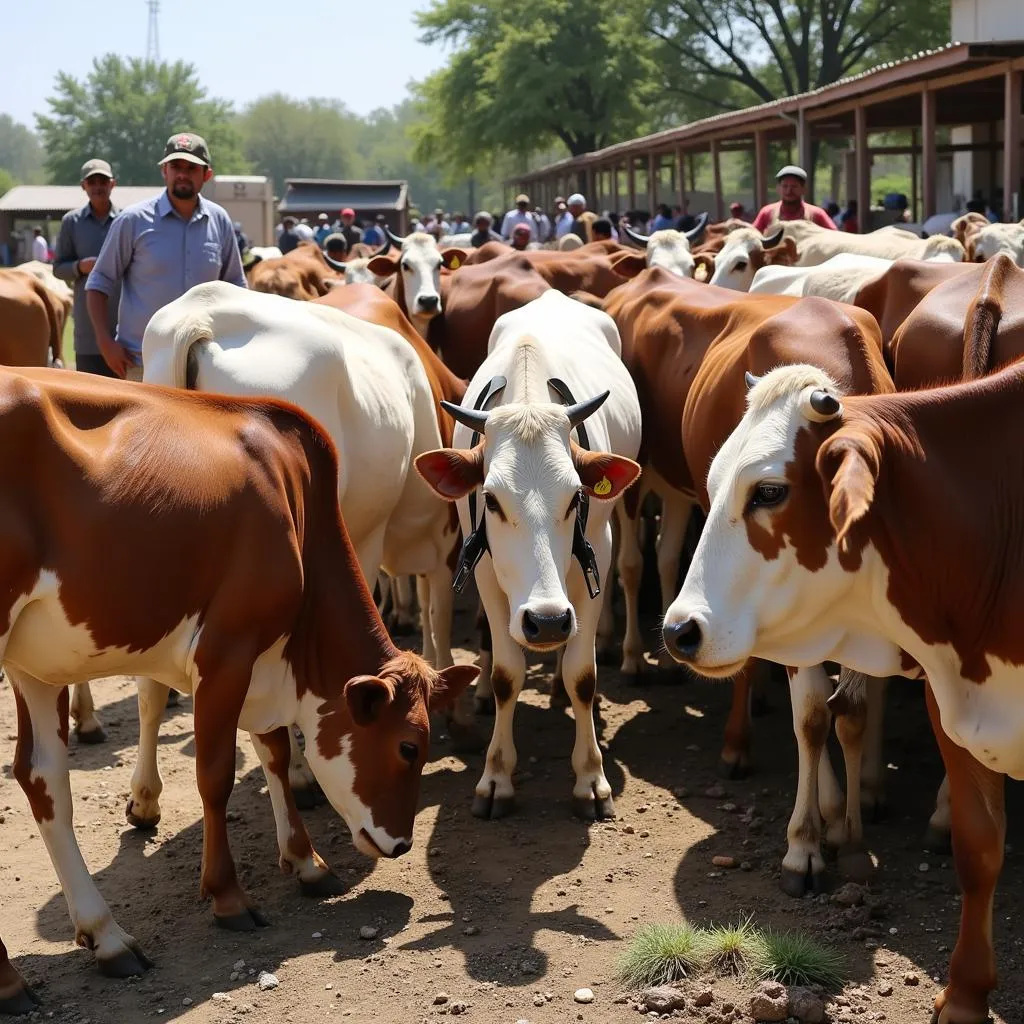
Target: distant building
[(307, 197)]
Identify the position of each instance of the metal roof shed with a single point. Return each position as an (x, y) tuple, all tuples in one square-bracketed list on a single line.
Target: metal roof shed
[(310, 196)]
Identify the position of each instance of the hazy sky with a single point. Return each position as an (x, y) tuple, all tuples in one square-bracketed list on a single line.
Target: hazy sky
[(363, 52)]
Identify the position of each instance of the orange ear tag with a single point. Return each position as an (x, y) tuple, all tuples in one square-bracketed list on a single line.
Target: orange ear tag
[(603, 486)]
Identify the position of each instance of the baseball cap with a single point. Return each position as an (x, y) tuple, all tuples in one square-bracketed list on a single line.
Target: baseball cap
[(791, 171), (522, 198), (483, 215), (576, 197), (91, 167), (189, 147), (348, 212), (321, 216)]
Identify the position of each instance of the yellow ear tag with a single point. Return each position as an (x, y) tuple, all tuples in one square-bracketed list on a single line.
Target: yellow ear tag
[(603, 486), (454, 264)]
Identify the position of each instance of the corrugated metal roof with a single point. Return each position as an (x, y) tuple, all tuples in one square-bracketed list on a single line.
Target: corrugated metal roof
[(304, 195), (58, 199)]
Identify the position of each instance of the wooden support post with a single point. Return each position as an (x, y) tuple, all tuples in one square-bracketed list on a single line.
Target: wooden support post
[(631, 182), (804, 151), (680, 177), (928, 158), (863, 161), (716, 167), (914, 214), (760, 170), (615, 188), (1011, 147), (653, 173), (590, 187)]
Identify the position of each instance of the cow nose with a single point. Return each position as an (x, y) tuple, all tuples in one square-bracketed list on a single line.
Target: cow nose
[(400, 848), (429, 302), (547, 629), (683, 638)]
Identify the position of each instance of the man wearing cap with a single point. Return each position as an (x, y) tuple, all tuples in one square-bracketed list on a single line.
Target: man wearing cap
[(791, 206), (82, 234), (349, 229), (520, 215), (288, 239), (323, 229), (484, 233), (561, 218), (577, 205), (157, 250)]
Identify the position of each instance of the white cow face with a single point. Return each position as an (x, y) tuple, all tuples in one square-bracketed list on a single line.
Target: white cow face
[(744, 253), (419, 264), (996, 238), (671, 249), (767, 567), (531, 477)]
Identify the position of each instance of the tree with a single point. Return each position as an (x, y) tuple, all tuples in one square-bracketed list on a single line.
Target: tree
[(7, 180), (731, 53), (20, 152), (124, 112), (286, 138), (527, 73)]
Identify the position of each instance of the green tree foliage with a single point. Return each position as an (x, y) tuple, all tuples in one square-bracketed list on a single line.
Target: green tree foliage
[(124, 111), (731, 53), (7, 181), (20, 152), (529, 73)]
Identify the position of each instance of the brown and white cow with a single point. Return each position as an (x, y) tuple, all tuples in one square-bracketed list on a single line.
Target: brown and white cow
[(303, 273), (879, 532), (194, 486)]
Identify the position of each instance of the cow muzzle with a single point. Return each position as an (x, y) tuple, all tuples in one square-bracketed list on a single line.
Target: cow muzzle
[(544, 631), (428, 303), (683, 639)]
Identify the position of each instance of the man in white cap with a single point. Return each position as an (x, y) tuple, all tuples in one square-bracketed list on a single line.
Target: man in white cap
[(577, 205), (520, 215), (792, 181)]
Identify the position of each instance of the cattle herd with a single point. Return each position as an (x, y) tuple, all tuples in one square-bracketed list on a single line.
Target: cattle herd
[(844, 409)]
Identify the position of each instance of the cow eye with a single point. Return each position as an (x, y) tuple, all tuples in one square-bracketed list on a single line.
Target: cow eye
[(491, 503), (767, 496), (405, 266), (409, 751), (741, 265)]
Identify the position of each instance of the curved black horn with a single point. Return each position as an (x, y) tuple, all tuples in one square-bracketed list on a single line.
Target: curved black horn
[(472, 418), (383, 250), (334, 264), (825, 404), (395, 239), (751, 379), (770, 241), (636, 237), (581, 410), (698, 229)]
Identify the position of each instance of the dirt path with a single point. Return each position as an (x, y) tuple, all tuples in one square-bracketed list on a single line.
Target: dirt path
[(494, 914)]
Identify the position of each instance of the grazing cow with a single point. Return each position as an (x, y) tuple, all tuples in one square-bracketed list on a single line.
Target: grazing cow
[(290, 636), (31, 321), (826, 516), (539, 498), (302, 273)]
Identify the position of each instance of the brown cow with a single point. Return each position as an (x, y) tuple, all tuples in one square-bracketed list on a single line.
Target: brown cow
[(199, 481), (31, 321), (302, 273)]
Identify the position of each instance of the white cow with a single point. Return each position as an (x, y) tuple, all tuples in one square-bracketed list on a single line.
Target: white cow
[(838, 278), (995, 238), (532, 480), (669, 248)]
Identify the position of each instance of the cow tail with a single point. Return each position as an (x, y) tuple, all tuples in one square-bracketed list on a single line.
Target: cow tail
[(983, 316), (195, 331)]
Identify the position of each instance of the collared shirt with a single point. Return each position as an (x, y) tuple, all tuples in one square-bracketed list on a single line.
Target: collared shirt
[(157, 256), (564, 224), (40, 250), (514, 217), (82, 234)]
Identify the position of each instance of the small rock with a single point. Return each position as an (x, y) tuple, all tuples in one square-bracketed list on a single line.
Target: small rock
[(643, 809), (234, 976), (769, 1003), (704, 998), (806, 1005), (663, 999), (367, 932), (644, 834), (267, 981), (221, 997), (471, 930), (910, 978), (849, 895), (238, 965), (441, 998), (885, 990), (680, 792), (583, 995), (528, 967), (729, 808), (715, 792), (724, 862), (924, 866), (628, 829), (457, 1006), (187, 1001), (538, 1000), (317, 935)]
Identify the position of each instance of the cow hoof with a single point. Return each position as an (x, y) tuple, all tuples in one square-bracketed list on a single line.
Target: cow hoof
[(307, 797), (129, 963), (328, 884), (938, 840), (137, 821), (92, 737), (484, 705), (173, 698), (491, 806), (797, 884), (593, 808), (732, 769), (22, 1001), (465, 739), (856, 866), (247, 921)]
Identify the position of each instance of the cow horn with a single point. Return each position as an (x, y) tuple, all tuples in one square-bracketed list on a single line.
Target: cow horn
[(383, 250), (636, 237), (472, 418), (395, 239), (825, 404), (770, 241), (751, 379), (581, 410), (698, 229), (334, 264)]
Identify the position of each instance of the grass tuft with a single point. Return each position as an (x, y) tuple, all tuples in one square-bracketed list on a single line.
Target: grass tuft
[(732, 949), (795, 959), (660, 954)]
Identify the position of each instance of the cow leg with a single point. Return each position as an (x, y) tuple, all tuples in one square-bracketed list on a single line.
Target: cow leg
[(301, 781), (218, 703), (675, 515), (423, 597), (495, 795), (41, 768), (483, 697), (297, 854), (847, 833), (87, 726), (404, 607), (606, 624), (15, 995), (734, 762), (631, 568), (803, 864), (937, 836), (386, 596), (979, 832), (143, 810), (872, 794)]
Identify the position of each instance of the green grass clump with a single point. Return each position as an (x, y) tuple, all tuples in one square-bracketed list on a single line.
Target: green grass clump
[(795, 959), (660, 954), (732, 949)]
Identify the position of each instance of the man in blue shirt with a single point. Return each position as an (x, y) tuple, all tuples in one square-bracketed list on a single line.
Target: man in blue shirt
[(157, 250)]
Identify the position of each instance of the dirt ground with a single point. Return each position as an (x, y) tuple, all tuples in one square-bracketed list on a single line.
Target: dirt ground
[(501, 916)]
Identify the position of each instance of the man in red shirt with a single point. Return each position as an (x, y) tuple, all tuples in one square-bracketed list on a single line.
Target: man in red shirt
[(791, 206)]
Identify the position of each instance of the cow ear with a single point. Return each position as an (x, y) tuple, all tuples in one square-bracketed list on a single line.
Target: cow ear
[(450, 682), (367, 696), (451, 472), (382, 266), (781, 255), (629, 264), (707, 261), (453, 258), (604, 476), (848, 472)]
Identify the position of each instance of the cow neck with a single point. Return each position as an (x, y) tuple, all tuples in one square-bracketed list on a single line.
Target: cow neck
[(339, 632)]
